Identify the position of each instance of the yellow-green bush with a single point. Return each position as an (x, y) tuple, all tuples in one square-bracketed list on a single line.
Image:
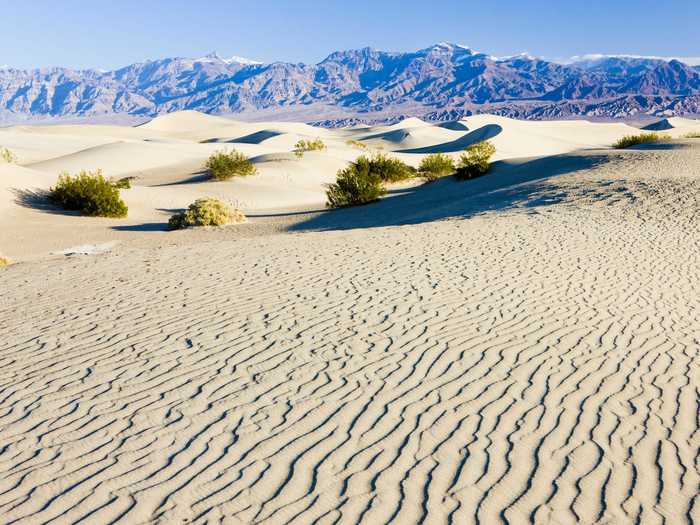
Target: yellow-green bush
[(643, 138), (89, 193), (435, 166), (206, 212), (356, 144), (4, 261), (7, 155), (475, 161), (390, 169), (303, 146), (224, 165), (692, 135), (357, 184)]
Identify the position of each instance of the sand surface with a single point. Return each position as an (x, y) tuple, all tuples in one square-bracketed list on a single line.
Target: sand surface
[(522, 348)]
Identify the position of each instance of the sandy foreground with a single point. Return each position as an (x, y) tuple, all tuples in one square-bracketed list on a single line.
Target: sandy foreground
[(522, 348)]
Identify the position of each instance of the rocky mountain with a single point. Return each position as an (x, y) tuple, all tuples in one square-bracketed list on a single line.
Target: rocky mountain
[(438, 82)]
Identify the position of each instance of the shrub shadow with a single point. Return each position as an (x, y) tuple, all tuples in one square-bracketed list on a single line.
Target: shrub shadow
[(39, 200)]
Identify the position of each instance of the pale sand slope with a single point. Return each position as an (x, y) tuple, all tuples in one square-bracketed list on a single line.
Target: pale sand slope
[(523, 350), (167, 156)]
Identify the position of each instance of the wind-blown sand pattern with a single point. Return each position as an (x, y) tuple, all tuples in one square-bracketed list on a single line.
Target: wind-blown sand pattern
[(518, 349)]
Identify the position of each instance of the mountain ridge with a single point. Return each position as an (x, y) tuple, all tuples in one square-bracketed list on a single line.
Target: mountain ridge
[(361, 85)]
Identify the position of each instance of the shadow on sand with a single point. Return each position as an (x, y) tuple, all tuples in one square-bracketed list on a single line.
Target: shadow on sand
[(503, 188)]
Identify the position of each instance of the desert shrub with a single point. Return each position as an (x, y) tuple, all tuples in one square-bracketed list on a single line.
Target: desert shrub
[(7, 155), (206, 212), (692, 135), (435, 166), (4, 261), (356, 144), (357, 184), (224, 165), (390, 169), (89, 193), (124, 183), (635, 140), (475, 161), (303, 146)]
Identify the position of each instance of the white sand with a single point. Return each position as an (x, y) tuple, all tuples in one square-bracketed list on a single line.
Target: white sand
[(522, 348)]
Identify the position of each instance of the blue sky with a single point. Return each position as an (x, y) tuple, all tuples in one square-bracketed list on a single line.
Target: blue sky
[(109, 34)]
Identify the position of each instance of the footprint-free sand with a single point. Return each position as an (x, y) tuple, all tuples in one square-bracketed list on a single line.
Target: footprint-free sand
[(522, 348)]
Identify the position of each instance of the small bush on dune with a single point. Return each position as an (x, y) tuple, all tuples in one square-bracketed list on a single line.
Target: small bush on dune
[(390, 169), (356, 144), (224, 165), (692, 135), (206, 212), (435, 166), (635, 140), (357, 184), (475, 161), (303, 146), (4, 261), (89, 193), (7, 155), (124, 183)]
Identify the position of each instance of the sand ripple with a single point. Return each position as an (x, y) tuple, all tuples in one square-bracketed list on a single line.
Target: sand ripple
[(533, 365)]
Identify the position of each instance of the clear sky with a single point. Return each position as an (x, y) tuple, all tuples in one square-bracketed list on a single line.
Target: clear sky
[(113, 33)]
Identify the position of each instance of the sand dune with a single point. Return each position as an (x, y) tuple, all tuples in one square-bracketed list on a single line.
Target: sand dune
[(167, 157), (520, 349)]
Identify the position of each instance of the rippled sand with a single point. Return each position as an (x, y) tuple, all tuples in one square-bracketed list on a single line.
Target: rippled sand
[(522, 350)]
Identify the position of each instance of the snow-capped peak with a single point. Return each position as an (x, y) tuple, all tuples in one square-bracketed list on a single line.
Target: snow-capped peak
[(215, 57)]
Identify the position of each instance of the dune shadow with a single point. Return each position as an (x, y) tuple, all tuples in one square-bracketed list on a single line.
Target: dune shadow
[(199, 177), (453, 125), (145, 227), (478, 135), (660, 146), (506, 186)]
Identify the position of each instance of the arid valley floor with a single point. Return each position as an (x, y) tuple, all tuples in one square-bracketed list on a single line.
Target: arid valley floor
[(521, 348)]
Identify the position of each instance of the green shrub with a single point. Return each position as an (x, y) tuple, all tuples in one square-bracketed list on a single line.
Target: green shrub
[(390, 169), (224, 165), (635, 140), (124, 183), (692, 135), (435, 166), (357, 184), (206, 212), (303, 146), (475, 161), (7, 155), (356, 144), (90, 193)]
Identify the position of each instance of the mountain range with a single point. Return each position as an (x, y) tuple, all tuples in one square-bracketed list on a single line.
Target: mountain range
[(442, 82)]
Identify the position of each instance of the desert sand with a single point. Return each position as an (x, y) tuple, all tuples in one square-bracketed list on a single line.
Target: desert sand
[(521, 348)]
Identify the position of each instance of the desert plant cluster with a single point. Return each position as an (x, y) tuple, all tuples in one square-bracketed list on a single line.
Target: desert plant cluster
[(643, 138), (303, 145), (224, 165), (206, 212), (692, 135), (356, 144), (90, 193), (363, 181), (356, 184), (475, 161), (7, 155), (435, 166)]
